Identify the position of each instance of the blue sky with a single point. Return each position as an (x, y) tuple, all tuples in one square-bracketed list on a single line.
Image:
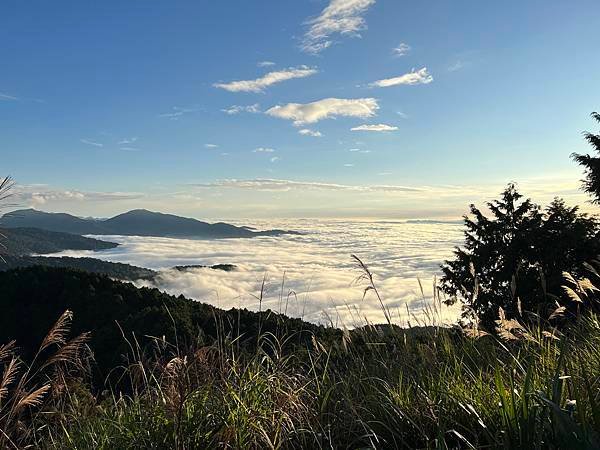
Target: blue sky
[(112, 105)]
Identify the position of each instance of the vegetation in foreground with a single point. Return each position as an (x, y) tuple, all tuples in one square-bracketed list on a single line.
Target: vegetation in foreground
[(527, 386)]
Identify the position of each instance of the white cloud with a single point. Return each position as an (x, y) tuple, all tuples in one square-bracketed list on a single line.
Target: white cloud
[(303, 113), (340, 17), (263, 150), (130, 149), (90, 142), (211, 146), (236, 109), (274, 159), (377, 127), (309, 132), (358, 150), (265, 64), (401, 50), (260, 84), (349, 165), (421, 76)]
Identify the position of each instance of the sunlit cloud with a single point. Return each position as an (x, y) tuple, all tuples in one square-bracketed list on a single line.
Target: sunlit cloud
[(265, 64), (91, 142), (380, 127), (236, 109), (421, 76), (401, 50), (340, 18), (327, 108), (211, 146), (274, 159), (260, 84)]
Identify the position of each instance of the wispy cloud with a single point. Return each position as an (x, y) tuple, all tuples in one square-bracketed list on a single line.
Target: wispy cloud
[(341, 18), (359, 150), (265, 64), (177, 112), (127, 141), (211, 146), (263, 150), (130, 149), (303, 113), (266, 184), (349, 165), (7, 97), (271, 78), (376, 127), (36, 195), (236, 109), (421, 76), (274, 159), (91, 142), (458, 65), (309, 132), (401, 50)]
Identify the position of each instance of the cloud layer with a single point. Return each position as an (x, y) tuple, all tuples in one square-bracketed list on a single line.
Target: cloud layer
[(339, 18), (318, 275), (327, 108), (271, 78)]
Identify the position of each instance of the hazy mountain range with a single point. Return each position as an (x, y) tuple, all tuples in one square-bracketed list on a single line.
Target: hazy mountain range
[(138, 222)]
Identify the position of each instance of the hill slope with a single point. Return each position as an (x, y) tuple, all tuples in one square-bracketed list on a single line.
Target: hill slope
[(26, 241), (33, 298), (139, 222)]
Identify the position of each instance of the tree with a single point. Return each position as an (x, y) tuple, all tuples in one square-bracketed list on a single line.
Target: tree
[(591, 164), (516, 258)]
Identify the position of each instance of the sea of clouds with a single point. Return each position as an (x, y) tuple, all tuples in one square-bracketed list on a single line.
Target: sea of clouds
[(311, 275)]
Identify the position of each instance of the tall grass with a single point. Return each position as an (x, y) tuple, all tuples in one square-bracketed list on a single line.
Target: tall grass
[(525, 386)]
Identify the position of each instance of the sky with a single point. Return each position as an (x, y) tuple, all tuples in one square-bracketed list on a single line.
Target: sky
[(294, 108)]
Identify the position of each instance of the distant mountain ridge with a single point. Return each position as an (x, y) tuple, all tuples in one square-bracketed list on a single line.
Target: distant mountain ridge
[(138, 222)]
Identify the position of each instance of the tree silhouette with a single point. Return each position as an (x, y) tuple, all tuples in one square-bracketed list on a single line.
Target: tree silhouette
[(591, 184), (515, 258)]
